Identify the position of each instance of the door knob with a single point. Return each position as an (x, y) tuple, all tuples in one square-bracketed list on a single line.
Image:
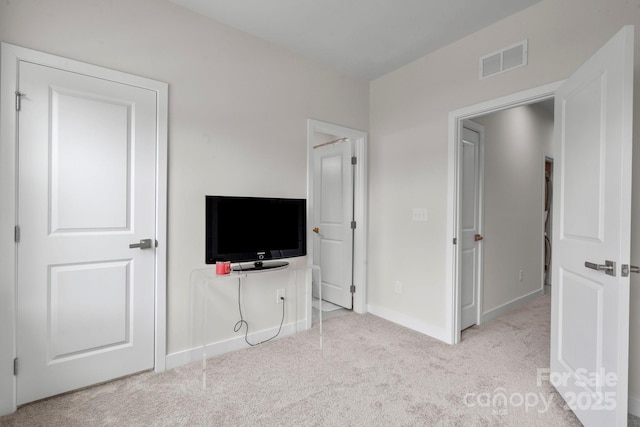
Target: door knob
[(144, 244), (609, 267), (316, 230), (478, 237)]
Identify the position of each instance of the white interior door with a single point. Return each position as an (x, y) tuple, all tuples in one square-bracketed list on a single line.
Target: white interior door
[(86, 190), (470, 222), (592, 211), (332, 216)]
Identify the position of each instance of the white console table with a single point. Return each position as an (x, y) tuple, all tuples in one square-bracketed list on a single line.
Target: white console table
[(204, 280)]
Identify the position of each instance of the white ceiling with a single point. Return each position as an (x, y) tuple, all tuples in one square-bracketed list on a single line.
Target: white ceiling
[(365, 38)]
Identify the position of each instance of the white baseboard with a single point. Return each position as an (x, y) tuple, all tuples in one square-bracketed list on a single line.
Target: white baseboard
[(504, 308), (194, 354), (634, 405), (408, 322)]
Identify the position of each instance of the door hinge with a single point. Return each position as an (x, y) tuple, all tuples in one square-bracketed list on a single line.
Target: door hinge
[(15, 366), (354, 160), (353, 225), (455, 240), (16, 234), (353, 289), (18, 102)]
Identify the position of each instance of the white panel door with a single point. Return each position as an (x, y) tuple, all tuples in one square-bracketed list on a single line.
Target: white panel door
[(86, 190), (592, 210), (332, 216), (470, 223)]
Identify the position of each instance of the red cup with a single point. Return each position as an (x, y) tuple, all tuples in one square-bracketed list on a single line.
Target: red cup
[(223, 267)]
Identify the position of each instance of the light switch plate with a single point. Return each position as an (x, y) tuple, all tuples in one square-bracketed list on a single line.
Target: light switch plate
[(419, 214)]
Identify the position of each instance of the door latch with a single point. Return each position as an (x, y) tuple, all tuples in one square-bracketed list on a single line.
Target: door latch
[(626, 269), (144, 244)]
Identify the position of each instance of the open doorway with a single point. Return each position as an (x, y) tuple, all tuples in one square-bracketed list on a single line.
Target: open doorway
[(336, 218), (516, 277), (332, 214), (510, 236)]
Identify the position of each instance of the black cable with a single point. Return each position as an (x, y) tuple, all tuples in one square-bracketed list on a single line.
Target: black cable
[(241, 322)]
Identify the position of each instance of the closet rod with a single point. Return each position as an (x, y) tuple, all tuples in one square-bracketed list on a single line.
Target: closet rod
[(330, 142)]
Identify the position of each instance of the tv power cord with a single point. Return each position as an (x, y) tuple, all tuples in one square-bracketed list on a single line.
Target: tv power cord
[(242, 322)]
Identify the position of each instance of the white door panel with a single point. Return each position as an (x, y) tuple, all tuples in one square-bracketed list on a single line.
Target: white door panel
[(592, 207), (101, 202), (91, 295), (86, 191), (470, 226), (332, 215)]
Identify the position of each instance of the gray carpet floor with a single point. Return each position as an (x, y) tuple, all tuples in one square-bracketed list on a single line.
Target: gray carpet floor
[(370, 373)]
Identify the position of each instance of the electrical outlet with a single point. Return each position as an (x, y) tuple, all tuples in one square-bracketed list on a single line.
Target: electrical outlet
[(521, 276), (397, 287), (280, 293)]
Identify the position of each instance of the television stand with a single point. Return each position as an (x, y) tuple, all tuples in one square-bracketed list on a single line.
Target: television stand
[(205, 281), (260, 266)]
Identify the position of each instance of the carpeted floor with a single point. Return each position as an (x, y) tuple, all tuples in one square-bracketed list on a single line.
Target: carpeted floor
[(370, 373)]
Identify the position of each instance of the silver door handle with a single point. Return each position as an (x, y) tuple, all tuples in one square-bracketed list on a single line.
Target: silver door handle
[(609, 267), (144, 244)]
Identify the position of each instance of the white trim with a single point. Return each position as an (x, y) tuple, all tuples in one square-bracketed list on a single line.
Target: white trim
[(8, 76), (194, 354), (408, 322), (452, 318), (162, 191), (359, 139), (511, 305), (10, 57)]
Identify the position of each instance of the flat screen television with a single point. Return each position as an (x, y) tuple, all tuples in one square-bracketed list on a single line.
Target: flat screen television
[(255, 229)]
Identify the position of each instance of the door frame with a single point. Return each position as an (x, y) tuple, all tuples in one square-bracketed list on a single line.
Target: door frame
[(479, 280), (452, 292), (359, 139), (10, 55)]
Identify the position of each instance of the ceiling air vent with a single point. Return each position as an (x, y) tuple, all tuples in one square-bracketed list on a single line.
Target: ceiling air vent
[(506, 59)]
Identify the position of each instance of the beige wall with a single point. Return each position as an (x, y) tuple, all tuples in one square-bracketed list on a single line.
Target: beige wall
[(237, 119), (515, 140), (408, 153)]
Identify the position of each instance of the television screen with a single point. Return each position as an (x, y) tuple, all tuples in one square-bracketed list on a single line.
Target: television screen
[(243, 229)]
